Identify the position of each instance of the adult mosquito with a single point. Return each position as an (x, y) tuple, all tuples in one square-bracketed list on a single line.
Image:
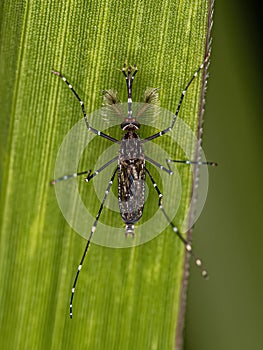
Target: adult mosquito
[(131, 169)]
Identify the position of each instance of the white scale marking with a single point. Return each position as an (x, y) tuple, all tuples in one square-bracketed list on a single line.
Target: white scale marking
[(198, 262), (204, 273), (188, 247)]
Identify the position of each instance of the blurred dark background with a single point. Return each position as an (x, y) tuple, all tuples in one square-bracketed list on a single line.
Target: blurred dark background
[(227, 311)]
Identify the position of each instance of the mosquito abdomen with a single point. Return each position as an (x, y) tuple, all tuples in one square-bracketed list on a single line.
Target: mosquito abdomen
[(131, 180)]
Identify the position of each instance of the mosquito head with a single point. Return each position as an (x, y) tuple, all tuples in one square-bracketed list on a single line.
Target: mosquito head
[(130, 125)]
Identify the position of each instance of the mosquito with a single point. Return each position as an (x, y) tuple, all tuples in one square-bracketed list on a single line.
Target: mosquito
[(131, 168)]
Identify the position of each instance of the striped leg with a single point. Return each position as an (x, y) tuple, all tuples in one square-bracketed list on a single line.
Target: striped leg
[(188, 162), (88, 177), (88, 243), (187, 245), (168, 161), (70, 176), (158, 165), (95, 131), (161, 133)]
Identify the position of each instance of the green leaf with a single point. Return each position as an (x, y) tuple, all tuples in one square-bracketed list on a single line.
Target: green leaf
[(129, 298)]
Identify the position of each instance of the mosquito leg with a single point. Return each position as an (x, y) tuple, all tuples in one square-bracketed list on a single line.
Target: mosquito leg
[(88, 177), (188, 162), (69, 176), (158, 165), (95, 131), (168, 161), (163, 132), (88, 243), (187, 245)]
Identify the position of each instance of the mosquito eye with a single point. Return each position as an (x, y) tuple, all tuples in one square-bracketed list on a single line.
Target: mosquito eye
[(132, 125), (136, 124), (124, 125)]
